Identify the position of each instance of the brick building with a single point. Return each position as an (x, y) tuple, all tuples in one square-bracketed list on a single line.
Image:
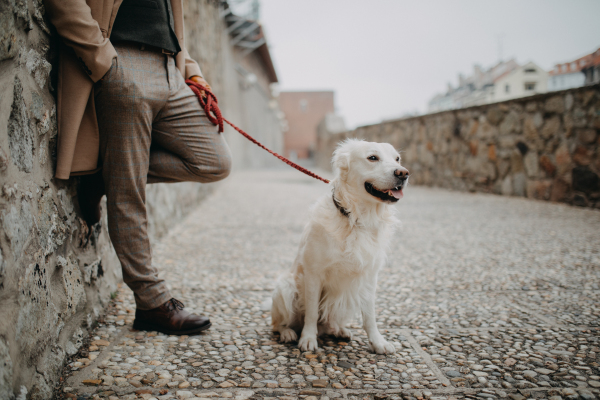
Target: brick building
[(304, 111)]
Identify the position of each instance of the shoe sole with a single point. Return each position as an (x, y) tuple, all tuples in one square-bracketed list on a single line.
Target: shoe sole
[(143, 326)]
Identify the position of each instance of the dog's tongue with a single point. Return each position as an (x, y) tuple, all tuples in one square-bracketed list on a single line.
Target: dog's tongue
[(397, 193)]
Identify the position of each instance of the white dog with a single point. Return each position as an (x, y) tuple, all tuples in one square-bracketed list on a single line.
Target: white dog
[(343, 247)]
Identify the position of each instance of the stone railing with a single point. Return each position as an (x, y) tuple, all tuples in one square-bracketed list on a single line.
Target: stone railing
[(542, 147)]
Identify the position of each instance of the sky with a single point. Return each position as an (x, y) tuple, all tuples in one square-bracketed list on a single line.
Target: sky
[(386, 58)]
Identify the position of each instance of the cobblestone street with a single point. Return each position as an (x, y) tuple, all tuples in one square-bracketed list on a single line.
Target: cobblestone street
[(485, 297)]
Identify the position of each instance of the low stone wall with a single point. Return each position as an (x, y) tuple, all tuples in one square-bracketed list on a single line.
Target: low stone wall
[(543, 147), (54, 282)]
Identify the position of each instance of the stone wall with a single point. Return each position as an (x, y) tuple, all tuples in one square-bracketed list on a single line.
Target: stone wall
[(239, 82), (54, 281), (543, 147)]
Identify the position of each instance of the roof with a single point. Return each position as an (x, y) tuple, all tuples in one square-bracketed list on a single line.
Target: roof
[(248, 35), (576, 65)]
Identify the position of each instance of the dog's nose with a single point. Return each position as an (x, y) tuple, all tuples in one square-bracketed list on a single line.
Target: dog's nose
[(401, 173)]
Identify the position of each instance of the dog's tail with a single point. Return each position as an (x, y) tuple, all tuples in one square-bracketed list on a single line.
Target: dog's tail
[(282, 310)]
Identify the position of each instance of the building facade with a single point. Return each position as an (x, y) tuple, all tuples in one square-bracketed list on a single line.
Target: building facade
[(526, 80), (568, 75), (472, 90), (303, 112), (592, 69), (504, 81)]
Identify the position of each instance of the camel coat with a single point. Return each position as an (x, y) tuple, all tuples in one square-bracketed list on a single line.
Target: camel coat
[(85, 57)]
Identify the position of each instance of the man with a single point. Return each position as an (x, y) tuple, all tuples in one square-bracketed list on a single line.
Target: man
[(124, 110)]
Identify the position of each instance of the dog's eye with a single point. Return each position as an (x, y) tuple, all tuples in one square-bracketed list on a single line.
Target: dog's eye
[(397, 159), (373, 158)]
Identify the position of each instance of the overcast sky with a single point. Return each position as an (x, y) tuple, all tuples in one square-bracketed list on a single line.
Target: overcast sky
[(384, 58)]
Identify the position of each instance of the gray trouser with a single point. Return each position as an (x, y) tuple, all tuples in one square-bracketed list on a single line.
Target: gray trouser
[(152, 129)]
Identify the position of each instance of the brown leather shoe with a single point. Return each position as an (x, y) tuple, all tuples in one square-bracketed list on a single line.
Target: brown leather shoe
[(89, 193), (170, 318)]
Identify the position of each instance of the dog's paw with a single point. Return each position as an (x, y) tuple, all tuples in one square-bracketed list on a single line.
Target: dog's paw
[(343, 333), (308, 343), (382, 346), (288, 335)]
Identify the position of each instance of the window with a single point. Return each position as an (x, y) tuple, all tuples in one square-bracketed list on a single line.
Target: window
[(573, 66), (529, 86), (530, 71), (507, 88), (303, 105)]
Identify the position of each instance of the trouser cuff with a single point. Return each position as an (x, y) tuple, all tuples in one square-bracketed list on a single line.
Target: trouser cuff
[(156, 297)]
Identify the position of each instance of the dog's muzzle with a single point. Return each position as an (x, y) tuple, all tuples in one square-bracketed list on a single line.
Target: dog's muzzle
[(392, 195)]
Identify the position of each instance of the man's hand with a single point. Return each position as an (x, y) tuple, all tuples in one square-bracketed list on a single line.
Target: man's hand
[(200, 80)]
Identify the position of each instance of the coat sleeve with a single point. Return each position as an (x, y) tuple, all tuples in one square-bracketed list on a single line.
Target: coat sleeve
[(80, 31), (191, 66)]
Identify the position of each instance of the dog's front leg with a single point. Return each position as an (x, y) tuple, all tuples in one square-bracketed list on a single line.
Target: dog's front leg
[(378, 344), (312, 293)]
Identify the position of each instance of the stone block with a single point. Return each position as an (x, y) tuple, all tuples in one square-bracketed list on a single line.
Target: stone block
[(502, 166), (531, 164), (560, 190), (51, 227), (486, 131), (492, 152), (18, 225), (72, 284), (516, 162), (585, 180), (92, 271), (38, 67), (531, 106), (494, 115), (8, 34), (587, 96), (539, 189), (547, 165), (569, 100), (510, 123), (20, 133), (3, 160), (582, 156), (37, 317), (555, 104), (529, 129), (580, 118), (507, 187), (6, 371), (563, 159), (551, 127), (587, 135), (473, 147), (519, 184)]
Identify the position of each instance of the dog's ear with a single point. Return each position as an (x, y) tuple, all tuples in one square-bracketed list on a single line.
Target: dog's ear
[(341, 160)]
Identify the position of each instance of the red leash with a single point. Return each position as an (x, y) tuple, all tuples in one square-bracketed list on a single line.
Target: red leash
[(213, 113)]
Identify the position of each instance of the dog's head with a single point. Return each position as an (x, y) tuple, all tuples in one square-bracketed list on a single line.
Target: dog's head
[(370, 171)]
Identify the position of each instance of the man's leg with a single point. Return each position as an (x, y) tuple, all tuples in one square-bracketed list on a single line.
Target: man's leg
[(186, 146), (127, 101)]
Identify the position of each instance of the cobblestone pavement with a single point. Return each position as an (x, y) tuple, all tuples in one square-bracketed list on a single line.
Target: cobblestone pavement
[(484, 297)]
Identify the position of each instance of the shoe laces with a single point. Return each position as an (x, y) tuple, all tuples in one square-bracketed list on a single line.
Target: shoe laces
[(174, 304)]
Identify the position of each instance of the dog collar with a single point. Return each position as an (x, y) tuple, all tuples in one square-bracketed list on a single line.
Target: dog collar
[(337, 204)]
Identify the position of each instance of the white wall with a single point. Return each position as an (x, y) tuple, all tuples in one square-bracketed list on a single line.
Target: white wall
[(516, 83), (566, 81)]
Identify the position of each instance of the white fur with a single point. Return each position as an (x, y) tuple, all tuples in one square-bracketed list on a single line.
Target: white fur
[(335, 272)]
